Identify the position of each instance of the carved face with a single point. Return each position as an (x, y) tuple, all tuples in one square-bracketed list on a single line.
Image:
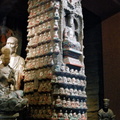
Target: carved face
[(71, 20), (5, 60), (106, 104), (11, 43)]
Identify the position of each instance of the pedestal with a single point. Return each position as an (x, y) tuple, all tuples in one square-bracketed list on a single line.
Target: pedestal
[(4, 116)]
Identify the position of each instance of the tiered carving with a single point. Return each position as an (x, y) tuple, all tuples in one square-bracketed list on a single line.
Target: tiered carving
[(54, 81)]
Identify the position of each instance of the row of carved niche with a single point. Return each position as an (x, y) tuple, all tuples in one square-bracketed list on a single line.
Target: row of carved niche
[(46, 72), (43, 37), (43, 113), (71, 72), (63, 89), (69, 81), (43, 4), (39, 4), (41, 10), (39, 39), (48, 60), (69, 116), (43, 49), (71, 103), (39, 99), (47, 113), (47, 16), (43, 73), (81, 115), (70, 92), (46, 86), (47, 99), (39, 62)]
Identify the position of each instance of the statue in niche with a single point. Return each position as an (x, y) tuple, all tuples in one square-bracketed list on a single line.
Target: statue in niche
[(105, 113), (69, 29), (10, 101), (16, 61), (69, 33)]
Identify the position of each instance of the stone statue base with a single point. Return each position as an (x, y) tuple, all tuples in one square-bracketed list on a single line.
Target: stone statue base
[(5, 116)]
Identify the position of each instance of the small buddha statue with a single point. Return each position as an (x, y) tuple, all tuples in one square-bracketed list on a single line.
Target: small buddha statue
[(60, 114), (70, 115), (106, 113), (73, 103), (77, 104), (64, 102), (68, 103), (83, 116), (67, 69), (58, 102), (71, 91), (56, 47), (66, 115), (60, 79), (67, 91), (79, 116), (75, 116), (65, 79), (63, 67), (54, 115)]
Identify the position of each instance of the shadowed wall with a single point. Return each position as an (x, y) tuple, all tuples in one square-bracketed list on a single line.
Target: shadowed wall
[(111, 61)]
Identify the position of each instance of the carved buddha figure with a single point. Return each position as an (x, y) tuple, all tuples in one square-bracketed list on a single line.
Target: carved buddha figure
[(69, 34), (69, 29), (16, 61)]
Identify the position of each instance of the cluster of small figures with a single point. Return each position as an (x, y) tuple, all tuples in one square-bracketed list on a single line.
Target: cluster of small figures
[(43, 4), (44, 86), (72, 72), (43, 50), (39, 99), (70, 92), (76, 104), (39, 62), (68, 116), (48, 114), (42, 33), (69, 81), (44, 73)]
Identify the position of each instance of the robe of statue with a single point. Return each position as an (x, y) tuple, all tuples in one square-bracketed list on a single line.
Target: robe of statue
[(17, 63)]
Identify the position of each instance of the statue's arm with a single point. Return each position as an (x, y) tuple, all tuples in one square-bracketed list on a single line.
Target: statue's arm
[(112, 115), (99, 115)]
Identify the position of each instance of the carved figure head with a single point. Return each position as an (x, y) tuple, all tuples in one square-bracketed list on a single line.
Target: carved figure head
[(12, 43), (106, 103), (5, 57)]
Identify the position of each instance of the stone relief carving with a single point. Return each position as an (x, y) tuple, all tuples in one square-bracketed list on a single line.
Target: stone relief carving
[(10, 101)]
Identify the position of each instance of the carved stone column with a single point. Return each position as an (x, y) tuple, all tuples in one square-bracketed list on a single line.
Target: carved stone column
[(55, 81)]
